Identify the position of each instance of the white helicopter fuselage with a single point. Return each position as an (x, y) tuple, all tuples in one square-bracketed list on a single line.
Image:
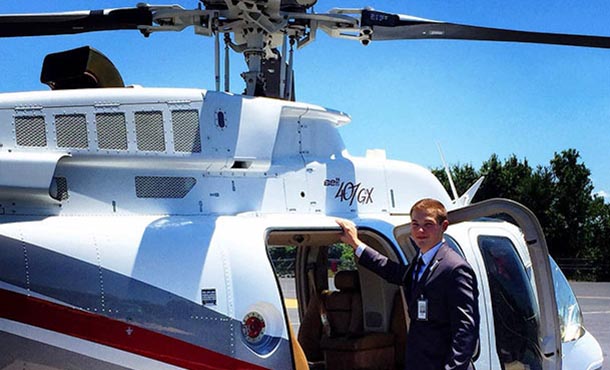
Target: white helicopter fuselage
[(207, 149), (134, 224)]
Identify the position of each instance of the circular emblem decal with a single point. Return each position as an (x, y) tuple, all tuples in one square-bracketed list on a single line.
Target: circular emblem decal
[(253, 327)]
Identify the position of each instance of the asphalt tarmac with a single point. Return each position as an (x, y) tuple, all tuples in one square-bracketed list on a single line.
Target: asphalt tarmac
[(594, 300)]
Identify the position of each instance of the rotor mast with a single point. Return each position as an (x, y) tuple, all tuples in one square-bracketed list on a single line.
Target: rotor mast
[(263, 28), (254, 55)]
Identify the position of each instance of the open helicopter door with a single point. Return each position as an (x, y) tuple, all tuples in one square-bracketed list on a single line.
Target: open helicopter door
[(549, 338)]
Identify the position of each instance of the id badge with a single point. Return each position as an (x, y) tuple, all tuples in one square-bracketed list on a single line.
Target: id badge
[(422, 309)]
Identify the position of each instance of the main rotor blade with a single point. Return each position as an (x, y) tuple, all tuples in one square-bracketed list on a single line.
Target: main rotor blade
[(386, 26), (74, 22)]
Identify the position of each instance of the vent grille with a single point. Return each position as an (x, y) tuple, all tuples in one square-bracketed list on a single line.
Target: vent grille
[(111, 131), (30, 131), (163, 186), (71, 131), (187, 137), (149, 131), (59, 188)]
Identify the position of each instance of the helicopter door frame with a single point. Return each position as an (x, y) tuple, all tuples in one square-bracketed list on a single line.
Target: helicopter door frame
[(377, 295), (306, 239), (550, 338)]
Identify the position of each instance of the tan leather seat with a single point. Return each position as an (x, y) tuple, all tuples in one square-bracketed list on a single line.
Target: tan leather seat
[(348, 346), (310, 331), (344, 306)]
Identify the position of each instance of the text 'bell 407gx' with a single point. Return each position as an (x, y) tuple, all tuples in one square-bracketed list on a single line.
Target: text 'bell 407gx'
[(165, 228)]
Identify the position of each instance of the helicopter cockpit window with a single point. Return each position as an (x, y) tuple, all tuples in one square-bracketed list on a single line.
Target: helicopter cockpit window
[(570, 316), (515, 310)]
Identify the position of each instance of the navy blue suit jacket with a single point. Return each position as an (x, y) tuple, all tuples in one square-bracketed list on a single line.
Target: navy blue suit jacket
[(448, 339)]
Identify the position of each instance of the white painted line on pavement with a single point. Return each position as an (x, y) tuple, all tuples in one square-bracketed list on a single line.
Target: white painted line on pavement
[(592, 297)]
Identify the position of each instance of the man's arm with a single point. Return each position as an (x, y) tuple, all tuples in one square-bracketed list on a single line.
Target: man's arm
[(389, 270), (464, 316)]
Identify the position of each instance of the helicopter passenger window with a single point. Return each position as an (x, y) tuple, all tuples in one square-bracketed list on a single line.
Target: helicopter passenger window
[(515, 310)]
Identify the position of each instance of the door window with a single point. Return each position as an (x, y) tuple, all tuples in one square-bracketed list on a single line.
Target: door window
[(515, 311)]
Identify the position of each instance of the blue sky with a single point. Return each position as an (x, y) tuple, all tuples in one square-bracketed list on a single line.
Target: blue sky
[(474, 98)]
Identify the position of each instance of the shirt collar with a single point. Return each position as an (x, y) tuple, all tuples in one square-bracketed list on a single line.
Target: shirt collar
[(427, 257)]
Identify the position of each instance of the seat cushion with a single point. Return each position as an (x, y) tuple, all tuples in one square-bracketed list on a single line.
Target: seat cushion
[(344, 311), (347, 280), (367, 359)]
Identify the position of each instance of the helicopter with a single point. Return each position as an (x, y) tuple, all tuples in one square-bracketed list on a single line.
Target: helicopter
[(136, 223)]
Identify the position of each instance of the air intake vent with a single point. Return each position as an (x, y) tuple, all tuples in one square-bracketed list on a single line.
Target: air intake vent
[(30, 131), (185, 124), (59, 188), (111, 131), (149, 131), (71, 131), (163, 186)]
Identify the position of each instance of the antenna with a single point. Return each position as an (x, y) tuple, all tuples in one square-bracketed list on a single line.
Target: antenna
[(448, 172)]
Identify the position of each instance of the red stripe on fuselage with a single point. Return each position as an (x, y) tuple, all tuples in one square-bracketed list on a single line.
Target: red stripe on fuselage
[(113, 333)]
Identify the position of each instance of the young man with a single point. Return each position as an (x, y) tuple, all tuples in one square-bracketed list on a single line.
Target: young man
[(441, 291)]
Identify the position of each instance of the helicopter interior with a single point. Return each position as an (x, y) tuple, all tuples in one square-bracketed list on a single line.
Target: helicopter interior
[(346, 317)]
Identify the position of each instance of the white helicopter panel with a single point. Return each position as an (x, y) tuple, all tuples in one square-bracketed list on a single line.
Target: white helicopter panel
[(147, 276), (409, 182)]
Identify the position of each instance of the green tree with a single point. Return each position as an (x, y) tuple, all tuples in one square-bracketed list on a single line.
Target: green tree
[(463, 177), (598, 227), (537, 194), (572, 201), (504, 180), (575, 221)]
